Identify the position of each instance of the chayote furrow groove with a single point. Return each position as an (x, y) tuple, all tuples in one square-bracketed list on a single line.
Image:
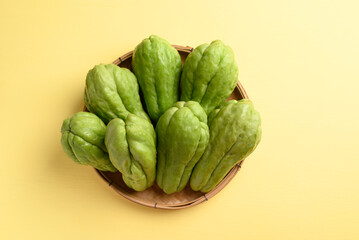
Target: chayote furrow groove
[(157, 66), (112, 92), (182, 137), (82, 139), (132, 148), (209, 75), (235, 131)]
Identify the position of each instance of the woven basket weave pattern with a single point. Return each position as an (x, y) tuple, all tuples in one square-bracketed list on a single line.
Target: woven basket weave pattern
[(154, 197)]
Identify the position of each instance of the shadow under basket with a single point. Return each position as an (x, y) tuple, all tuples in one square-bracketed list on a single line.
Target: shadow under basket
[(154, 197)]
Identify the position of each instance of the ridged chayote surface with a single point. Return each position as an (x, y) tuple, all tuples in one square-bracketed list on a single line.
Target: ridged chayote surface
[(157, 66), (209, 75), (235, 130), (132, 148), (112, 92), (182, 134), (82, 139)]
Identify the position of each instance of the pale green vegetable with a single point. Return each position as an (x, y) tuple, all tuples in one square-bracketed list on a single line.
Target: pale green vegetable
[(182, 137), (157, 66), (82, 139), (209, 75), (132, 148), (235, 131), (112, 92)]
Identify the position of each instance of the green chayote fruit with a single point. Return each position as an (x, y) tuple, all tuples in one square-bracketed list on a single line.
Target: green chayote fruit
[(235, 131), (157, 66), (182, 134), (209, 75), (112, 92), (132, 148), (82, 139)]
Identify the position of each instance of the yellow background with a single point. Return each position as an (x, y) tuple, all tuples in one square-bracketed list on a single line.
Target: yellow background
[(299, 62)]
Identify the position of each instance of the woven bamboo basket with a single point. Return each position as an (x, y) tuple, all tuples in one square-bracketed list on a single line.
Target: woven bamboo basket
[(154, 197)]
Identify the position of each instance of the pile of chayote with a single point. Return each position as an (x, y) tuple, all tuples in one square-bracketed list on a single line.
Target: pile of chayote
[(184, 133)]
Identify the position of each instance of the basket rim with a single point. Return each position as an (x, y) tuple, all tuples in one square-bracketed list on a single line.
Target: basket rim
[(205, 196)]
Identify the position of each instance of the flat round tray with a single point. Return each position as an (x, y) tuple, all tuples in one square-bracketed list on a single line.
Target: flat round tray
[(154, 197)]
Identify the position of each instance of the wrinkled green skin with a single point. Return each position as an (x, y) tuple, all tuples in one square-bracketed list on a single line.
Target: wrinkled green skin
[(235, 131), (132, 148), (82, 139), (182, 135), (209, 75), (157, 66), (112, 92)]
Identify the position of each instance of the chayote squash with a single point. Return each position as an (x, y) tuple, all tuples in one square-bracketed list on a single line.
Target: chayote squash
[(132, 148), (157, 66), (82, 139), (112, 92), (209, 75), (235, 131), (182, 134)]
